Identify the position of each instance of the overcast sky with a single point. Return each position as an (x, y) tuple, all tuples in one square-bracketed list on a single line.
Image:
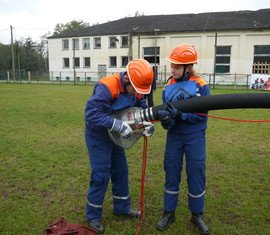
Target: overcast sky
[(34, 18)]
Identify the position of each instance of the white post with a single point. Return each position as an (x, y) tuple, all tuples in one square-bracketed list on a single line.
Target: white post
[(8, 76), (29, 76)]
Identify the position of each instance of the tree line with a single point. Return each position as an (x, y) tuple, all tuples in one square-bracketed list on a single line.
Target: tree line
[(28, 55)]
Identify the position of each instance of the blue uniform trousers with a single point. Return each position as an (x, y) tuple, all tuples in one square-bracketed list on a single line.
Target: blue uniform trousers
[(193, 147), (107, 161)]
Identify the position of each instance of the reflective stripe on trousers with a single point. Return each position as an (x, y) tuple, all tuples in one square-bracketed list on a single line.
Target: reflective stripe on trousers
[(107, 161), (192, 146)]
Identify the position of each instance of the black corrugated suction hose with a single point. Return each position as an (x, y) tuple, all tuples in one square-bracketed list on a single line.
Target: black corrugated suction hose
[(216, 102)]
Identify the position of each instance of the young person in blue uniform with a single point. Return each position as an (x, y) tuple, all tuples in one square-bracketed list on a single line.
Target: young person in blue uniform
[(185, 136), (108, 160)]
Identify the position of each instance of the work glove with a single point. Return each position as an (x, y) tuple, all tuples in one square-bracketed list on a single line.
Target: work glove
[(165, 119), (176, 114), (149, 129), (173, 111), (122, 128)]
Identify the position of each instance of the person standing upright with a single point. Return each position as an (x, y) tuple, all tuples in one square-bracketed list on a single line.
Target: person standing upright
[(185, 136)]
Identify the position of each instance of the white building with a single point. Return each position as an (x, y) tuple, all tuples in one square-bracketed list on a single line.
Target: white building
[(242, 40)]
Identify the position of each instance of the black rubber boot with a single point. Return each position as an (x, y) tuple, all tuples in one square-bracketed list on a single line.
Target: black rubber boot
[(130, 214), (97, 226), (166, 220), (197, 220)]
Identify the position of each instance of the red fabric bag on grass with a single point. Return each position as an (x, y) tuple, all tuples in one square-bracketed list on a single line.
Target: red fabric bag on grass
[(62, 227)]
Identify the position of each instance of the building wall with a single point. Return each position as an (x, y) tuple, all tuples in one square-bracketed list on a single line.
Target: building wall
[(97, 56), (241, 42)]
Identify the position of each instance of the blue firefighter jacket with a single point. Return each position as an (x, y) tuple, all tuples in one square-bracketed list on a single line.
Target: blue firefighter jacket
[(109, 95), (188, 87)]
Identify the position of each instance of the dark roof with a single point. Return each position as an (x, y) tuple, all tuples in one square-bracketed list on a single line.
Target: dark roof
[(211, 21)]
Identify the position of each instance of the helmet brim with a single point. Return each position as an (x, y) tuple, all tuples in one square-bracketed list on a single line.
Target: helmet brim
[(177, 62), (143, 91)]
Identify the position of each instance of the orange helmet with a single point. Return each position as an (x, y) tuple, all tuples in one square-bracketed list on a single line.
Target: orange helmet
[(183, 54), (141, 75)]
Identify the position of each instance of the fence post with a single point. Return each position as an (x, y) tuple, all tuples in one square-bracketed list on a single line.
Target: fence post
[(235, 81), (51, 75), (165, 75), (37, 76), (29, 76), (8, 76), (24, 77), (247, 81), (60, 77), (51, 78)]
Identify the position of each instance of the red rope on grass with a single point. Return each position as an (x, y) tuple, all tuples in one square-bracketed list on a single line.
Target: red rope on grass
[(142, 185), (231, 119)]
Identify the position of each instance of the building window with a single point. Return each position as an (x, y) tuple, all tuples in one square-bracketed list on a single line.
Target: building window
[(223, 59), (124, 61), (86, 62), (150, 55), (262, 54), (65, 62), (112, 61), (86, 43), (97, 42), (76, 62), (65, 44), (75, 44), (112, 41), (261, 60), (124, 41)]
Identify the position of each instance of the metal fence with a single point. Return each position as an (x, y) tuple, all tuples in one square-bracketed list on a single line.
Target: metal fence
[(242, 81), (24, 76), (226, 80)]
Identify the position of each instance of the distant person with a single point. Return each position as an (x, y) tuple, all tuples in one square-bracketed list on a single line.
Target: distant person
[(267, 84), (255, 85), (107, 160), (185, 136), (261, 85)]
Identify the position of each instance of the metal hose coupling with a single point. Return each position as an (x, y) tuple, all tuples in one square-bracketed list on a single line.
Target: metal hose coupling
[(135, 117)]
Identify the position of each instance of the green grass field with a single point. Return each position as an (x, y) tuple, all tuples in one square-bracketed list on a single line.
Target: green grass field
[(44, 167)]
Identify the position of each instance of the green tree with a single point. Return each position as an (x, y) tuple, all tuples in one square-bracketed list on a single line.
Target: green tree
[(42, 49), (72, 25), (137, 13), (28, 56), (5, 57)]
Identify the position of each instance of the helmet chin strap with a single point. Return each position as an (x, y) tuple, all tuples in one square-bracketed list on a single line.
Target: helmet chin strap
[(126, 83), (184, 73)]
